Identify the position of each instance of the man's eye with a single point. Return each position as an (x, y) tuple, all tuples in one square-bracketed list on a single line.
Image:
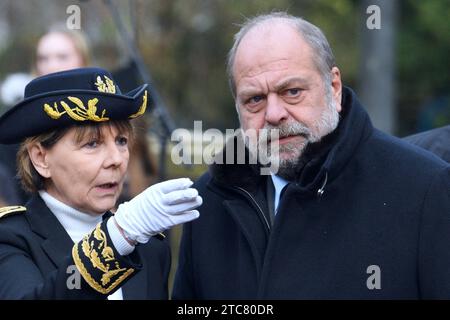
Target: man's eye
[(122, 141), (255, 100), (292, 92)]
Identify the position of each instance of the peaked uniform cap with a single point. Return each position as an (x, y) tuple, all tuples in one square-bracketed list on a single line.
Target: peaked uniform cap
[(63, 99)]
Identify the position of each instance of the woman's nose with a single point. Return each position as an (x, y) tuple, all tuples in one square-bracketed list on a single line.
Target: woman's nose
[(114, 156)]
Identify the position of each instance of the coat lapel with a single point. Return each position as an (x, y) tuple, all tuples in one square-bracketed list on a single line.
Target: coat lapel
[(58, 245), (56, 242)]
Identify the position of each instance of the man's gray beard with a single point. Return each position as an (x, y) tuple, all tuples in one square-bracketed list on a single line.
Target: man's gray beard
[(287, 167)]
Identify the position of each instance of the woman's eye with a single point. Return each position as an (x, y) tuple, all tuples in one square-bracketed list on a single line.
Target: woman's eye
[(122, 141), (91, 144)]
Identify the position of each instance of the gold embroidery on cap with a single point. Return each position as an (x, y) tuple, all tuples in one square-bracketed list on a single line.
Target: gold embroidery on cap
[(141, 108), (108, 87), (52, 113), (79, 113)]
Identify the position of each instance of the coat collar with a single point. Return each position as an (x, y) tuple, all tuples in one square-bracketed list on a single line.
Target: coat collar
[(321, 162)]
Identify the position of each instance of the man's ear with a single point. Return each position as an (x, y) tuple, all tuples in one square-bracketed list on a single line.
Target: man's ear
[(38, 156), (336, 84)]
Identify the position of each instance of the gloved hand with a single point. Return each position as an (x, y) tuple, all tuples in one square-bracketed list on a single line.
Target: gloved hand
[(158, 208)]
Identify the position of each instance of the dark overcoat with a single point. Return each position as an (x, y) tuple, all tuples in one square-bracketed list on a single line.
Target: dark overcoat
[(369, 218)]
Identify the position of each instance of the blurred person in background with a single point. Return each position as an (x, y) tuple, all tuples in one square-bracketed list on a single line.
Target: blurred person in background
[(8, 194), (58, 49), (436, 141), (11, 92), (74, 132)]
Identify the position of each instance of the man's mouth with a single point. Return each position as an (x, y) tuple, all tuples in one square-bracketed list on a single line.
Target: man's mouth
[(288, 138)]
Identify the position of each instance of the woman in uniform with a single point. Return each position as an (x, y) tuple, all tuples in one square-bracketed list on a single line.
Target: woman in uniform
[(74, 129)]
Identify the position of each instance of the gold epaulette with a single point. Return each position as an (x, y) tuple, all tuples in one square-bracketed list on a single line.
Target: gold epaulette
[(6, 211)]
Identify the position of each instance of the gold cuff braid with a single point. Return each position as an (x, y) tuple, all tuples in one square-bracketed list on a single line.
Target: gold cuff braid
[(96, 262)]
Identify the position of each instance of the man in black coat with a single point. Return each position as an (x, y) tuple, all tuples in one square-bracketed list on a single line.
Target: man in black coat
[(351, 213), (436, 141)]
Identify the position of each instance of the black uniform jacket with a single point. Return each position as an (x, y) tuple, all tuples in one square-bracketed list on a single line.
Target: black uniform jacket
[(38, 260)]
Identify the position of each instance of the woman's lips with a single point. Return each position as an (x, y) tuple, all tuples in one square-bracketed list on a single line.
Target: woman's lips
[(107, 188)]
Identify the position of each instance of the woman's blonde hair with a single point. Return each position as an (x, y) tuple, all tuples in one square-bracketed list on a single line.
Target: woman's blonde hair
[(79, 42), (30, 179)]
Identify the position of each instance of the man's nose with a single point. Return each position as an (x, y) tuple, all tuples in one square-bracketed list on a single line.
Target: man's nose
[(275, 110)]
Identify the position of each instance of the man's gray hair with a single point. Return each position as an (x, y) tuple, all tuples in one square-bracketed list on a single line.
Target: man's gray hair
[(323, 57)]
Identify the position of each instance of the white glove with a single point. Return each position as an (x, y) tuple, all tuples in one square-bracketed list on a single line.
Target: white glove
[(158, 208)]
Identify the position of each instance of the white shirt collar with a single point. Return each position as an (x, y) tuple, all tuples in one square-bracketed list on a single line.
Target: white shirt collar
[(76, 223), (279, 183)]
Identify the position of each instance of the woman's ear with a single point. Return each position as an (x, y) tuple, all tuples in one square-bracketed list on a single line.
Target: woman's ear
[(38, 156)]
